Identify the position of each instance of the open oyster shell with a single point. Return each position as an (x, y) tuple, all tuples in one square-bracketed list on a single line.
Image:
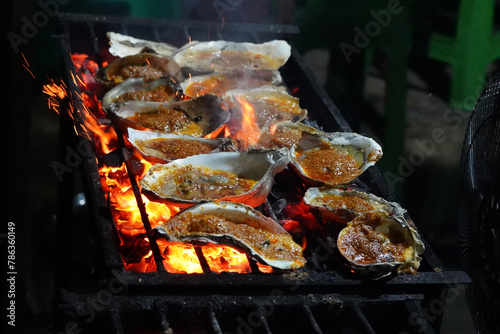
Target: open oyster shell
[(219, 83), (196, 117), (224, 55), (137, 89), (149, 66), (342, 206), (123, 45), (283, 134), (271, 104), (239, 225), (333, 159), (244, 177), (165, 147), (376, 245)]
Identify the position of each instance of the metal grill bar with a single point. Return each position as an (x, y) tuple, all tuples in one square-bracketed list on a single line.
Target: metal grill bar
[(311, 318)]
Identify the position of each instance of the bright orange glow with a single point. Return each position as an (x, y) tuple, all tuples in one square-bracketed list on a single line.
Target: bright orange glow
[(249, 134), (273, 128), (134, 246), (225, 259)]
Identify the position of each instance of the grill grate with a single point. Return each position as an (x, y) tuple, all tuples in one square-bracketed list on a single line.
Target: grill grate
[(324, 294)]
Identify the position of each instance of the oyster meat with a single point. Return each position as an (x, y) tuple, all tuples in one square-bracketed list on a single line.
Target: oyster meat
[(165, 147), (239, 225), (342, 206), (122, 45), (219, 83), (137, 89), (333, 159), (224, 56), (196, 117), (149, 66), (271, 104), (376, 245), (245, 177), (283, 134)]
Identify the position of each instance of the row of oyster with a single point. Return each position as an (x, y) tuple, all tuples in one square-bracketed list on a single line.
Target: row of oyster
[(213, 105)]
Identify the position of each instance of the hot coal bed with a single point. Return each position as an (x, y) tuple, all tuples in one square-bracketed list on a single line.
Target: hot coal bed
[(322, 297)]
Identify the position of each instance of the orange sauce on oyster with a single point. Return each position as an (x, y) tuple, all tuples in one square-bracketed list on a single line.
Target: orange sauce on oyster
[(158, 94), (198, 183), (267, 244), (218, 84), (363, 244), (170, 149), (329, 165), (168, 121), (282, 137)]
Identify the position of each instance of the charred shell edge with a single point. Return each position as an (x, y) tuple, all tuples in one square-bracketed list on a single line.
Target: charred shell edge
[(237, 163), (233, 212)]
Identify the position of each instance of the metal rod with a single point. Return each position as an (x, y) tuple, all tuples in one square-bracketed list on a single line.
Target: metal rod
[(116, 321), (213, 320), (203, 260), (361, 316), (310, 316)]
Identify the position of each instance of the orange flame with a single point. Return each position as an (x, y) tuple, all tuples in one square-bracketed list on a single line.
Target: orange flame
[(249, 134)]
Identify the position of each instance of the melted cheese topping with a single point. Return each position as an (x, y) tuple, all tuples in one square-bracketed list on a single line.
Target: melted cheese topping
[(171, 149), (168, 121)]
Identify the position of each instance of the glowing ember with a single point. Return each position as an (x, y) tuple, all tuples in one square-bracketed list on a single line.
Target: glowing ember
[(226, 259)]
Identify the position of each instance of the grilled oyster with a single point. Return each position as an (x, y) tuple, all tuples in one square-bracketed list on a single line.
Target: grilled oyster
[(237, 225), (123, 45), (333, 159), (271, 104), (149, 66), (219, 83), (137, 89), (196, 117), (165, 147), (245, 177), (223, 56), (376, 245), (283, 134), (344, 205)]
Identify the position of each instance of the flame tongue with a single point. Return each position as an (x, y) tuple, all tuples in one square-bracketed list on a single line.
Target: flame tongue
[(249, 134)]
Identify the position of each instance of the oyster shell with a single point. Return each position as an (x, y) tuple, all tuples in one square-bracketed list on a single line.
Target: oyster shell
[(196, 117), (149, 66), (245, 177), (283, 134), (224, 55), (344, 205), (219, 83), (376, 245), (271, 104), (333, 159), (165, 147), (236, 224), (137, 89), (123, 45)]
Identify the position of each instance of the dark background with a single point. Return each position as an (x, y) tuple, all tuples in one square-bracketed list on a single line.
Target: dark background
[(429, 193)]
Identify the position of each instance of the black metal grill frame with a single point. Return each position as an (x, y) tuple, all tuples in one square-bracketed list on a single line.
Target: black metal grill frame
[(84, 34)]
